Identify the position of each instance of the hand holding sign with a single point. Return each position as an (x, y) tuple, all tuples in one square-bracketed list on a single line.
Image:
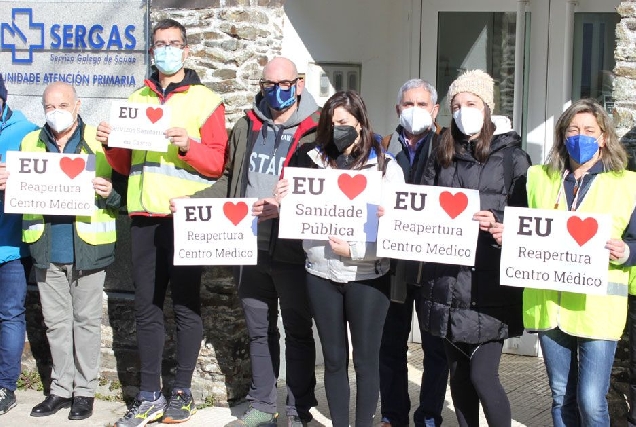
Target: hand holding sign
[(180, 138)]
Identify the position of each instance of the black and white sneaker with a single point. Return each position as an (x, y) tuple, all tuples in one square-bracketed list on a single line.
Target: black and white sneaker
[(7, 400)]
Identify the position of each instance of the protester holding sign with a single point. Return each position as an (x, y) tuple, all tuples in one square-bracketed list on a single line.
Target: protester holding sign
[(14, 261), (585, 172), (283, 117), (194, 158), (348, 283), (411, 143), (466, 305), (70, 255)]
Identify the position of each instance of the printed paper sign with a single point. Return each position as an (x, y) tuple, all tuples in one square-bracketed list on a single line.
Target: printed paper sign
[(50, 183), (326, 202), (559, 250), (429, 224), (139, 126), (215, 232)]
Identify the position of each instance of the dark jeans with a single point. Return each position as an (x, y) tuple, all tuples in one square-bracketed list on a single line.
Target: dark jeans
[(13, 287), (474, 378), (152, 254), (363, 306), (261, 287), (394, 383)]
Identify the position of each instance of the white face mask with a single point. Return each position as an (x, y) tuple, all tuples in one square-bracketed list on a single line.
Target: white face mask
[(60, 120), (416, 120), (469, 120)]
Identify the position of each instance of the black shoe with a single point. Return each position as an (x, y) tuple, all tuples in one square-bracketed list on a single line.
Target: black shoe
[(7, 400), (51, 405), (82, 408)]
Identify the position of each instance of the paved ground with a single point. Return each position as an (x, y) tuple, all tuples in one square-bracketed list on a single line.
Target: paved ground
[(523, 378)]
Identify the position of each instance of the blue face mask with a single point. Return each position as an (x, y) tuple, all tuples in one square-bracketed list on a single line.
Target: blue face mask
[(280, 99), (168, 59), (581, 148)]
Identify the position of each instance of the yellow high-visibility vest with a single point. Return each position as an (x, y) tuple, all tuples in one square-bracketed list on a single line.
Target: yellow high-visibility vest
[(582, 315), (97, 229), (156, 177)]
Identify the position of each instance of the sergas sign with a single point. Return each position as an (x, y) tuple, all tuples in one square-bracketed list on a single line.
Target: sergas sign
[(90, 45)]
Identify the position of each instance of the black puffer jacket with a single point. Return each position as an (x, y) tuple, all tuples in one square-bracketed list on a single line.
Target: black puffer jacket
[(467, 304)]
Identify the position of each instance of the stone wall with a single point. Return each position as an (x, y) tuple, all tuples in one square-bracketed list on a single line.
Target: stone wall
[(230, 42), (624, 94)]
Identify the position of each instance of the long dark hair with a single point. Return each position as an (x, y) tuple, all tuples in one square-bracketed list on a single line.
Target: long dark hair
[(449, 140), (351, 101)]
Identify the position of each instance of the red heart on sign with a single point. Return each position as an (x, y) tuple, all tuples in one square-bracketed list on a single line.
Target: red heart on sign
[(453, 204), (72, 167), (582, 230), (154, 114), (235, 212), (352, 186)]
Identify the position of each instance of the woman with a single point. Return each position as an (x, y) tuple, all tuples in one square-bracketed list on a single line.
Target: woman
[(466, 305), (347, 283), (585, 172)]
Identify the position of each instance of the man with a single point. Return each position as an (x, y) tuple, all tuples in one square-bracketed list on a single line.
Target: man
[(283, 117), (70, 255), (194, 159), (13, 261), (411, 144)]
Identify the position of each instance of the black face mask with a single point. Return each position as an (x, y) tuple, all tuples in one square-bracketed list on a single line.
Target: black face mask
[(344, 136)]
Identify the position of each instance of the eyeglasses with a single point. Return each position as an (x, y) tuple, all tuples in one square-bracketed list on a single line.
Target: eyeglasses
[(283, 84), (174, 43)]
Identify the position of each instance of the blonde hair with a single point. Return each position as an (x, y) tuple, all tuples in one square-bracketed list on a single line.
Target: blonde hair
[(613, 155)]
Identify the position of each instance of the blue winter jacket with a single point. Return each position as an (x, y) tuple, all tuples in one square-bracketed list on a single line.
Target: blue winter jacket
[(13, 127)]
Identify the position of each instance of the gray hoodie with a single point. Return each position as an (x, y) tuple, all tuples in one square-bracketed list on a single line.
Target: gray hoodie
[(269, 152)]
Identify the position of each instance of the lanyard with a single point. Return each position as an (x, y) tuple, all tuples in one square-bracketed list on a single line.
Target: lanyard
[(576, 191)]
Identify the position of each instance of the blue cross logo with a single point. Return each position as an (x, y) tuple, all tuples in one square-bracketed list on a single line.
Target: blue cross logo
[(22, 36)]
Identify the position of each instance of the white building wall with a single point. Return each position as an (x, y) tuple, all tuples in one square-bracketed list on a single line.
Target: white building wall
[(374, 33)]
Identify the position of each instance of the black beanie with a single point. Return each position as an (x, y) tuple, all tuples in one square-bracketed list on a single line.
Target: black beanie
[(3, 90)]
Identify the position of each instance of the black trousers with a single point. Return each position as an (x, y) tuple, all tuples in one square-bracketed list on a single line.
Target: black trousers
[(474, 378), (261, 288), (362, 305), (394, 381), (152, 254)]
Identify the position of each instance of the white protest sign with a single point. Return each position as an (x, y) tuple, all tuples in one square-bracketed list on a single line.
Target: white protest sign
[(330, 202), (139, 126), (429, 224), (50, 183), (214, 232), (552, 249)]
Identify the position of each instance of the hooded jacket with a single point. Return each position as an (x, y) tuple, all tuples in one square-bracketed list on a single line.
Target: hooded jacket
[(13, 127), (234, 181), (467, 304)]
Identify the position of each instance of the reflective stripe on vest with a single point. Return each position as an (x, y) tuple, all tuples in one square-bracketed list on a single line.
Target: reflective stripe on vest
[(155, 178), (590, 316), (100, 227), (170, 170)]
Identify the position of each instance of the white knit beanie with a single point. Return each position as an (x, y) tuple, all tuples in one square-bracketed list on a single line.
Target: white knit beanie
[(476, 82)]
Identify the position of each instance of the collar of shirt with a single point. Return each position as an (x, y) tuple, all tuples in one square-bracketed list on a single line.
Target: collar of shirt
[(412, 149)]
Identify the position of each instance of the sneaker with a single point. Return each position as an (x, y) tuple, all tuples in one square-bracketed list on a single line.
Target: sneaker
[(180, 408), (142, 413), (255, 418), (7, 400), (385, 422), (295, 421)]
